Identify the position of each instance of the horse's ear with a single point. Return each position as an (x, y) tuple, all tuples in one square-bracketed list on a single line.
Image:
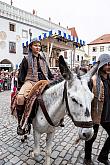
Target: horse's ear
[(65, 72)]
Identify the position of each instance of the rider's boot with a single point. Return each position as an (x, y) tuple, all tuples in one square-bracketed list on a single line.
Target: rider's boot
[(20, 111)]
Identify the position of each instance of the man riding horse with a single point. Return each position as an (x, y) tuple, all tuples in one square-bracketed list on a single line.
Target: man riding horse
[(32, 69)]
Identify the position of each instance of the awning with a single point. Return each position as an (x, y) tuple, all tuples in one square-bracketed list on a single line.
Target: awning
[(58, 36)]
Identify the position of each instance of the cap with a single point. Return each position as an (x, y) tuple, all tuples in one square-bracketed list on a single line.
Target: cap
[(34, 40)]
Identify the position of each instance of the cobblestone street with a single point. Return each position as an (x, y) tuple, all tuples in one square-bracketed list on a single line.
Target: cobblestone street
[(64, 150)]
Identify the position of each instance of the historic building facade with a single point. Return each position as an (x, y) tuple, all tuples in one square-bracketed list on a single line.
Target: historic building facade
[(99, 46), (18, 26)]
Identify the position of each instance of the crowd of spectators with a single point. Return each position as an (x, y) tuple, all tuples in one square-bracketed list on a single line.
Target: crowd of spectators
[(6, 79), (9, 79)]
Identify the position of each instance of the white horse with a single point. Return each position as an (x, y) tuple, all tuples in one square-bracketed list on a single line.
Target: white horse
[(70, 96)]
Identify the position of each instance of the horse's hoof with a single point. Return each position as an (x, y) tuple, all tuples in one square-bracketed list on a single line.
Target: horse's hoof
[(38, 158), (25, 137), (32, 154), (35, 156)]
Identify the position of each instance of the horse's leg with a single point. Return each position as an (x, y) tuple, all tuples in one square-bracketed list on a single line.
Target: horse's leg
[(37, 136), (49, 139)]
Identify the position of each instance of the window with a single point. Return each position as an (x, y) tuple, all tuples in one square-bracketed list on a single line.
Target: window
[(94, 58), (109, 48), (24, 34), (12, 47), (65, 54), (94, 49), (77, 57), (82, 58), (25, 50), (101, 48), (12, 27)]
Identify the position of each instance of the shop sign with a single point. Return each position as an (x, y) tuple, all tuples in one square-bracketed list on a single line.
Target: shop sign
[(5, 65)]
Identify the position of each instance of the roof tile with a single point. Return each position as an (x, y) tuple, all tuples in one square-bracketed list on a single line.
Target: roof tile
[(101, 40)]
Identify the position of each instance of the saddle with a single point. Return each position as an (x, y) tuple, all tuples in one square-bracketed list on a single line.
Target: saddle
[(36, 90)]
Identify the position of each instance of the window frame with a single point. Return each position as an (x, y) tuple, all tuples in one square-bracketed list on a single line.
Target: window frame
[(14, 27), (12, 47), (94, 49), (109, 48), (101, 48), (93, 58), (25, 49), (65, 55), (24, 33), (78, 58)]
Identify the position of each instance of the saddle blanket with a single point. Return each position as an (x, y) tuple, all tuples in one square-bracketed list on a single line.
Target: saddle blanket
[(36, 90)]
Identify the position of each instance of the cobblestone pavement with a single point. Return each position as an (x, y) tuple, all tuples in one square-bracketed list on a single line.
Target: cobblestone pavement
[(64, 150)]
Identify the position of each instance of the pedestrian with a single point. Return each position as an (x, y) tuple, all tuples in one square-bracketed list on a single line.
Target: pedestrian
[(14, 80), (100, 110), (32, 69)]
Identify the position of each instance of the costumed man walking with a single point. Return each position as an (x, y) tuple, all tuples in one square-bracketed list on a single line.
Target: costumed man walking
[(100, 110), (32, 69)]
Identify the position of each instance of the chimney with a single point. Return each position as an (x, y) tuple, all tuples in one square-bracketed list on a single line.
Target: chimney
[(59, 23), (49, 19), (73, 31), (34, 12)]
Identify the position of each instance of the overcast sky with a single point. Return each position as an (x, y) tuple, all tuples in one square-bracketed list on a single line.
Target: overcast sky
[(91, 18)]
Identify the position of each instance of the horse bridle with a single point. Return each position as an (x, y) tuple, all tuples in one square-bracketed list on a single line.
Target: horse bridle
[(65, 98), (77, 123)]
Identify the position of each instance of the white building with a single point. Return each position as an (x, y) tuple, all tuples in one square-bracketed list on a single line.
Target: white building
[(74, 57), (16, 27), (99, 46)]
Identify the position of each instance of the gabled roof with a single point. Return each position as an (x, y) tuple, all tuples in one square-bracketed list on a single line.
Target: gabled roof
[(101, 40)]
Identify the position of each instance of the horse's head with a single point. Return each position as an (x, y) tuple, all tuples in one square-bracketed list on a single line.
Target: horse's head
[(78, 98)]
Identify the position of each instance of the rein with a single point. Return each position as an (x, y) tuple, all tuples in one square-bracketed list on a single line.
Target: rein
[(42, 105), (77, 123)]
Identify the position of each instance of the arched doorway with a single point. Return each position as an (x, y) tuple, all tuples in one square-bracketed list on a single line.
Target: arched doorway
[(6, 65)]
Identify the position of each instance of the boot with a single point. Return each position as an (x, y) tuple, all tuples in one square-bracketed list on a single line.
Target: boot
[(88, 162), (20, 111)]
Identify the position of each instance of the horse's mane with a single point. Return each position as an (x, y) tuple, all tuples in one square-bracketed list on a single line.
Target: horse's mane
[(54, 82)]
